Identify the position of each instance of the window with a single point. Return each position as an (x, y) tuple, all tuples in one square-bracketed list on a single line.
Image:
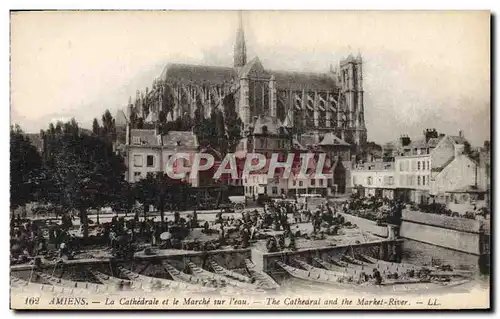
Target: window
[(275, 190), (423, 180), (282, 191), (401, 167), (294, 182), (136, 140), (265, 190), (150, 161), (369, 180), (301, 183), (423, 165), (428, 166), (418, 180), (354, 180), (138, 160), (391, 180), (137, 176), (313, 182), (320, 182), (418, 165)]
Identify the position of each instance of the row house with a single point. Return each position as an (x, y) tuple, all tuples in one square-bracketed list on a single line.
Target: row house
[(428, 171), (146, 151)]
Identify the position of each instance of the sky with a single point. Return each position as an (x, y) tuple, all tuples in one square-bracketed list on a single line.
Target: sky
[(421, 69)]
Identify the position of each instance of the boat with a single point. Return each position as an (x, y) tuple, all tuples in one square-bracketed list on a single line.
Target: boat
[(178, 275), (218, 269), (433, 271), (121, 284), (263, 280), (392, 266), (74, 284), (20, 285), (161, 283), (311, 268), (197, 271), (319, 277), (395, 285)]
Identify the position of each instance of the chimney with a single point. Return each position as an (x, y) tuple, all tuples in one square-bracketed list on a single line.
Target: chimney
[(461, 133), (127, 134), (459, 149)]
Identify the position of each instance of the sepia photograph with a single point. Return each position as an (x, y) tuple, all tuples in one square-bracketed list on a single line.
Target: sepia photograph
[(243, 160)]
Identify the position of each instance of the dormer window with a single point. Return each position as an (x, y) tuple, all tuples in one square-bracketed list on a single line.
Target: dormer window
[(264, 130), (136, 140)]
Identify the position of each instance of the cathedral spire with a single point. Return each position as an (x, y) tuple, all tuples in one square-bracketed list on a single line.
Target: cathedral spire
[(240, 49)]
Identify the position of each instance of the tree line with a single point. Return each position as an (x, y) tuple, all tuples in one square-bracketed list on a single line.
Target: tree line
[(76, 170)]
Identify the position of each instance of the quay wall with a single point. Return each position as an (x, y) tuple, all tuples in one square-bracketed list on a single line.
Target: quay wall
[(459, 234), (367, 225), (149, 265)]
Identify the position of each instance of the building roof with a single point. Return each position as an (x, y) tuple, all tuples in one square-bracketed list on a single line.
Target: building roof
[(457, 139), (120, 118), (198, 74), (304, 80), (296, 145), (330, 139), (254, 68), (418, 144), (307, 140), (174, 139), (146, 137), (433, 142), (468, 189), (263, 122)]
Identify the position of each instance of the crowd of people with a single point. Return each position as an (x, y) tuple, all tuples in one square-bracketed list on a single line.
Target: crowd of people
[(276, 223)]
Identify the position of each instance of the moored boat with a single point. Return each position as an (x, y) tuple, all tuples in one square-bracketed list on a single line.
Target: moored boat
[(178, 275), (120, 284), (161, 283), (74, 284), (263, 280), (218, 269), (197, 271)]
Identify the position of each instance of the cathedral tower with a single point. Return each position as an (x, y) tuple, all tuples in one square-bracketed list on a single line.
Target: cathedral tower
[(351, 73), (240, 49)]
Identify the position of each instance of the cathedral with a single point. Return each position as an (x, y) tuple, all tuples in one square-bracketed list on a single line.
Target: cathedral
[(314, 104)]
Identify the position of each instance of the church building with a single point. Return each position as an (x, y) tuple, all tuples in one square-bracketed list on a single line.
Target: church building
[(314, 104)]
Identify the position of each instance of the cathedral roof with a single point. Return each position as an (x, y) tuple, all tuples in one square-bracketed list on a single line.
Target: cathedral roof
[(254, 68), (304, 80), (198, 74)]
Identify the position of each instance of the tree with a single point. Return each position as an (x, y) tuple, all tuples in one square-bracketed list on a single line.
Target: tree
[(96, 129), (144, 192), (162, 187), (25, 168), (83, 172), (139, 123), (162, 117), (108, 127), (232, 123)]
